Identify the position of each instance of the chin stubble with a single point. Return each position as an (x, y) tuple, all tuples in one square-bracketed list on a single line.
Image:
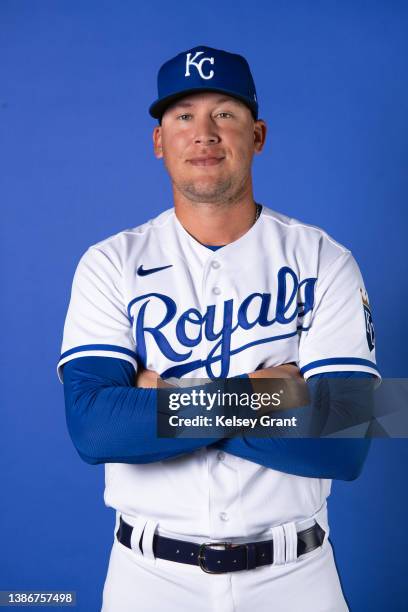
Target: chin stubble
[(221, 192), (218, 192)]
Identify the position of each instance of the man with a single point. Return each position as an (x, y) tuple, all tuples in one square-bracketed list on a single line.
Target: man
[(217, 287)]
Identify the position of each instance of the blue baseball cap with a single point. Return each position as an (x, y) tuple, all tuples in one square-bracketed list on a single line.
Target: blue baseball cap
[(204, 69)]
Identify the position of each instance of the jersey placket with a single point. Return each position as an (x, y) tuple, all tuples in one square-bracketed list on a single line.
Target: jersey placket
[(223, 475)]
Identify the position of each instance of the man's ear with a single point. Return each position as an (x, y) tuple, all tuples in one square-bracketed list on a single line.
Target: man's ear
[(259, 135), (157, 142)]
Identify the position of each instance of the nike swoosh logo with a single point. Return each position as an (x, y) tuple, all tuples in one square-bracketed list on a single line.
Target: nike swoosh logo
[(142, 272)]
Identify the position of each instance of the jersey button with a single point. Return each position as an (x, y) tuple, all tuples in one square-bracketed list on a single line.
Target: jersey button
[(224, 516), (220, 456), (215, 264), (216, 290)]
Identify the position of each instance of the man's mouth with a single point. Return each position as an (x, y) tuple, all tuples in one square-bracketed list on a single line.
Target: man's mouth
[(205, 161)]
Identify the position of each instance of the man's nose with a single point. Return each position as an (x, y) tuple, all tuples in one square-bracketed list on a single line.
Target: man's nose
[(206, 132)]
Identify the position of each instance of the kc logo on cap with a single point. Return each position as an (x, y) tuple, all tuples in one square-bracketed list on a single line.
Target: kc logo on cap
[(199, 65), (204, 69)]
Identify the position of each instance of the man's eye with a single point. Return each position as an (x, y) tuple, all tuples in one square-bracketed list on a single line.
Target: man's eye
[(184, 117), (224, 115)]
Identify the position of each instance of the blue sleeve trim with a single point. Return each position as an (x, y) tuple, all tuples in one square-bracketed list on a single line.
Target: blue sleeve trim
[(345, 374), (99, 347), (339, 361)]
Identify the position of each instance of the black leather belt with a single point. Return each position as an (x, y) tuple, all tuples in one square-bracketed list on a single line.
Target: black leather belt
[(221, 557)]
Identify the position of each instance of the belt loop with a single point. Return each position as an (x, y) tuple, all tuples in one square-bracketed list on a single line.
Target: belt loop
[(137, 532), (251, 556), (291, 541), (278, 537), (321, 519), (117, 523), (147, 541)]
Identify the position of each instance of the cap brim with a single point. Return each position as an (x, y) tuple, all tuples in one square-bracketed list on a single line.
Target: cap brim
[(158, 107)]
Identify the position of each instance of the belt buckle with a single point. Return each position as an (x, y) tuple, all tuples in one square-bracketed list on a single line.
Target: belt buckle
[(201, 555)]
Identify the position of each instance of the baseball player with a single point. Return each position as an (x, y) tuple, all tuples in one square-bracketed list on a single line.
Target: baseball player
[(216, 287)]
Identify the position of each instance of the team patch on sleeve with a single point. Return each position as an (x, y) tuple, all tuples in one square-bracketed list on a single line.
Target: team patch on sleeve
[(369, 325)]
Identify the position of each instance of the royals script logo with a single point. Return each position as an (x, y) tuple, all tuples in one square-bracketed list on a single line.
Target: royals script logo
[(289, 307), (191, 61)]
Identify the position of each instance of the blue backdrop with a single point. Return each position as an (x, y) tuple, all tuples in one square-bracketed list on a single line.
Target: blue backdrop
[(77, 166)]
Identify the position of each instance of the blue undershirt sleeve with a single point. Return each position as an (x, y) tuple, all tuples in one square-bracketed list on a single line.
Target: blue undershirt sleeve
[(334, 458), (111, 421)]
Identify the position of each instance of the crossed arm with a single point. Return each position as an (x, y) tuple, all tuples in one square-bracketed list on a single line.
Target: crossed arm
[(111, 420)]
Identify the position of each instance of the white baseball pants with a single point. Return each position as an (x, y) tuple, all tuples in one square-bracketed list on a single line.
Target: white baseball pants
[(141, 583)]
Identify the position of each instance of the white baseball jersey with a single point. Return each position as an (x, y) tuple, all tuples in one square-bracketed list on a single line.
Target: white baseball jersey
[(283, 292)]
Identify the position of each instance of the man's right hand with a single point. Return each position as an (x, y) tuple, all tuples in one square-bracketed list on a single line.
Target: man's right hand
[(149, 379), (146, 379)]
